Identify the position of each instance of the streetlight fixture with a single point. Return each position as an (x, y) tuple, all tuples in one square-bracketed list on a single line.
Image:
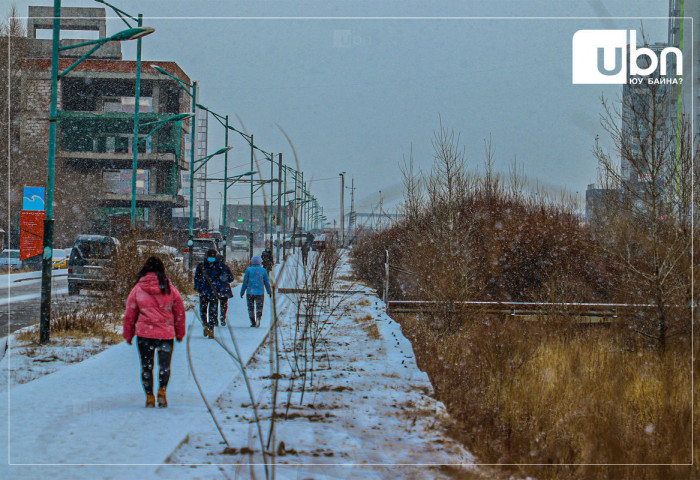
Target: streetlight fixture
[(137, 101), (47, 255), (175, 118), (191, 90), (223, 120), (227, 185), (159, 124), (193, 169)]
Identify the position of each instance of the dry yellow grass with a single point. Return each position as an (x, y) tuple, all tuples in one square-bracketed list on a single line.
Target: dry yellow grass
[(80, 323), (528, 394), (369, 326)]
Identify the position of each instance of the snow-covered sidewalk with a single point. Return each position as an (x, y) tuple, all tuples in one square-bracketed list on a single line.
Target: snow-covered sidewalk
[(92, 412), (369, 413)]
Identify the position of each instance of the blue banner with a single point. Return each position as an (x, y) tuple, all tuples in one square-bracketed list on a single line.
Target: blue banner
[(34, 198)]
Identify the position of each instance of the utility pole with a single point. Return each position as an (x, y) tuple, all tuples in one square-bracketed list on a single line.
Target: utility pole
[(250, 225), (46, 264), (279, 203), (225, 199), (342, 209), (351, 220)]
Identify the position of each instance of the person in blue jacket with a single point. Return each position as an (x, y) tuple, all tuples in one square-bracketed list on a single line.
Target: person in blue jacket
[(212, 281), (254, 280)]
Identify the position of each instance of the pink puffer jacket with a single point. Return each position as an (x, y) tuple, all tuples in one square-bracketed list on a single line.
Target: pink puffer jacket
[(153, 314)]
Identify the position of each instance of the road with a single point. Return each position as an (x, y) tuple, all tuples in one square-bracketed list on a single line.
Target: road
[(20, 298)]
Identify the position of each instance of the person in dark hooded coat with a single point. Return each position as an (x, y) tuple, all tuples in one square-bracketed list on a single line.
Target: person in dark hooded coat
[(212, 280)]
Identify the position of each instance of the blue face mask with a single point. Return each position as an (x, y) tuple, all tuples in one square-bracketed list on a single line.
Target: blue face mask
[(211, 259)]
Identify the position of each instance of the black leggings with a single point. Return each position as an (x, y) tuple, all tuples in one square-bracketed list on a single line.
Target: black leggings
[(147, 350), (208, 307)]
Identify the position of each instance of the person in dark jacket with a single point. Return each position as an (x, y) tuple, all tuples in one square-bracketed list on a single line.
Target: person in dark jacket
[(304, 252), (212, 281), (254, 280), (155, 314), (267, 260)]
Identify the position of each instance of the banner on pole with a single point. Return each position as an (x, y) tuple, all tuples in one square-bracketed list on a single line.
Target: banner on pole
[(34, 198), (31, 233)]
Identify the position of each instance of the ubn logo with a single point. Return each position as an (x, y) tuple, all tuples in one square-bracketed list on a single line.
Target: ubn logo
[(601, 56)]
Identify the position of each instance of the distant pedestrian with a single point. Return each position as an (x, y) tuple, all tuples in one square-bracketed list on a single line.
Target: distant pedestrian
[(268, 261), (212, 280), (255, 282), (304, 252), (155, 314)]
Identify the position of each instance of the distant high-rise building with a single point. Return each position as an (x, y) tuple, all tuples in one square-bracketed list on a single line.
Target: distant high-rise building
[(685, 34), (647, 107)]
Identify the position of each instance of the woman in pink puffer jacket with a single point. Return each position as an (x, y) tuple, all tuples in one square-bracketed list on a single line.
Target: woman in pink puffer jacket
[(154, 313)]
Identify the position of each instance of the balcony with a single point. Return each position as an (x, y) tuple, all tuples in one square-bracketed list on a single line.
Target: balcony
[(109, 136)]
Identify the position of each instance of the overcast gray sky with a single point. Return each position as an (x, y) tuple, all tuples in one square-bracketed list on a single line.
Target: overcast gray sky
[(355, 94)]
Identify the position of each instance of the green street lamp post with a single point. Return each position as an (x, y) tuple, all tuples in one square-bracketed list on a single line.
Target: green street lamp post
[(269, 157), (342, 208), (137, 104), (193, 169), (228, 185), (294, 173), (250, 224), (159, 124), (47, 253), (191, 90), (249, 139), (279, 202), (223, 120), (277, 197)]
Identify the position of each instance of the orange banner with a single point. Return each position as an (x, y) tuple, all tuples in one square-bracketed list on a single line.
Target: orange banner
[(31, 233)]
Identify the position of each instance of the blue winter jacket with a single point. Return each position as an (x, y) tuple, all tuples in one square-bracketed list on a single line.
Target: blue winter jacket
[(253, 281)]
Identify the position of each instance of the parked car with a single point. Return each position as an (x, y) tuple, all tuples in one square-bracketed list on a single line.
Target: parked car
[(319, 243), (156, 248), (90, 262), (200, 247), (60, 259), (9, 259), (240, 242)]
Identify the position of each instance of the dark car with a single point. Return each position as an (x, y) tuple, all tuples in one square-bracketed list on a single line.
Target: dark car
[(319, 243), (90, 263)]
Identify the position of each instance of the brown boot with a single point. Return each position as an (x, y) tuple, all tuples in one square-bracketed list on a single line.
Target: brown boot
[(162, 401), (150, 401)]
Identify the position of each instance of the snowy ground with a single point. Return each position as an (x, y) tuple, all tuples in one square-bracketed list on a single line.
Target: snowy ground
[(368, 409), (367, 412)]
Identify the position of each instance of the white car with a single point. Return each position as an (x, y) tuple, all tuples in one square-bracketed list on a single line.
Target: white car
[(158, 248), (240, 242), (10, 259)]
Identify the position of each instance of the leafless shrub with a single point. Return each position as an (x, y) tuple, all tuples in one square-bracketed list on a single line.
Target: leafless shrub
[(316, 313), (543, 391)]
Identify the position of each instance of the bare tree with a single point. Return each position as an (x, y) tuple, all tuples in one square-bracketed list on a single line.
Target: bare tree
[(413, 192), (646, 222)]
